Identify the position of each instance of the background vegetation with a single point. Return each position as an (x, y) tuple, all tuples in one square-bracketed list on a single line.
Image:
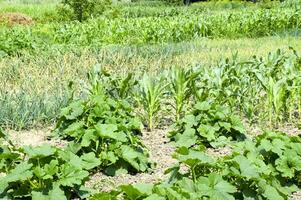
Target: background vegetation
[(103, 73)]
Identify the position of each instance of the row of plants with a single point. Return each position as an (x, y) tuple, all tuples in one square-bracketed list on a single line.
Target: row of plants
[(96, 33), (273, 99), (266, 167), (101, 134), (70, 10), (136, 11)]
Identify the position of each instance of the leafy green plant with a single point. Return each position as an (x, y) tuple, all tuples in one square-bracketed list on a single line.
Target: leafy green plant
[(186, 26), (83, 9), (150, 95), (9, 156), (208, 124), (42, 171), (107, 127), (48, 172), (267, 167), (213, 187), (117, 86), (182, 84)]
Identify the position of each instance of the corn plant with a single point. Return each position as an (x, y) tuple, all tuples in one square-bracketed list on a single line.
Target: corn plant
[(115, 85), (182, 84), (149, 96)]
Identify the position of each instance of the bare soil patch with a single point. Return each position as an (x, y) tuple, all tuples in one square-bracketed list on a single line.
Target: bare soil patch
[(34, 138), (12, 19), (160, 152)]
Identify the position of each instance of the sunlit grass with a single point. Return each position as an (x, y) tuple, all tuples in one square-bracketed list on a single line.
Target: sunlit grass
[(38, 83)]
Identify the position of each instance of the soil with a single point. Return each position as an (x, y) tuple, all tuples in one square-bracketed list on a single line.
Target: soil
[(160, 152), (35, 138), (13, 19)]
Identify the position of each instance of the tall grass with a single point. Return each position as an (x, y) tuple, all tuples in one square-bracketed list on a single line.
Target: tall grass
[(97, 33), (34, 87), (27, 110)]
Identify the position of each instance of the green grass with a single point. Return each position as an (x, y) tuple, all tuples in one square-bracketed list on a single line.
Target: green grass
[(35, 87), (44, 10), (143, 36), (40, 11), (99, 32)]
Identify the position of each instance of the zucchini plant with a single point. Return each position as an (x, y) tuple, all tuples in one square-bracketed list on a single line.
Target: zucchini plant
[(267, 167), (208, 124), (106, 126), (42, 172)]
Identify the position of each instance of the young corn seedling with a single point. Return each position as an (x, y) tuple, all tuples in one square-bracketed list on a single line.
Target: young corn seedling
[(182, 82), (149, 95), (277, 94)]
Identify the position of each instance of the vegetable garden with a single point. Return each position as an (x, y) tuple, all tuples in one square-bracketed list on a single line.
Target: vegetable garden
[(226, 121)]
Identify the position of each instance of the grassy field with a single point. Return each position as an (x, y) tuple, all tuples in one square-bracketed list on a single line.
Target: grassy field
[(214, 87), (35, 88)]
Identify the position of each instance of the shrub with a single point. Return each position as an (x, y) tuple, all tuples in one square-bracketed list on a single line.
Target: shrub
[(83, 9)]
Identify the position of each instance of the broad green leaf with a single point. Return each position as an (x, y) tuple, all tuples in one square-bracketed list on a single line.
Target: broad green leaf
[(137, 191), (135, 158), (225, 125), (71, 176), (246, 167), (202, 106), (73, 147), (215, 187), (154, 197), (187, 185), (57, 193), (84, 192), (272, 194), (71, 158), (237, 124), (288, 163), (278, 146), (22, 172), (89, 161), (187, 139), (88, 136), (110, 131), (39, 151), (39, 195), (207, 132), (117, 169), (110, 156), (172, 194), (75, 129), (265, 145), (189, 121), (296, 147), (195, 157), (220, 142), (73, 111), (51, 169)]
